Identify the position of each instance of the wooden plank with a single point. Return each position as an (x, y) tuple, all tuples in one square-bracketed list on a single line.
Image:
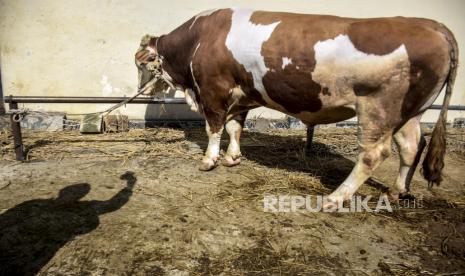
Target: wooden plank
[(116, 123)]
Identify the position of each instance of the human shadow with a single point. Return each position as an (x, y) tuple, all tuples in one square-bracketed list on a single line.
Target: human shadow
[(33, 231), (287, 153)]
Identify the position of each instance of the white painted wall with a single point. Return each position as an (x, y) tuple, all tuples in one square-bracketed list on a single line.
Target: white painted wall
[(86, 47)]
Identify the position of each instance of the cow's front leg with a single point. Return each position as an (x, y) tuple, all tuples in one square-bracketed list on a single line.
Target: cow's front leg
[(234, 128), (210, 160)]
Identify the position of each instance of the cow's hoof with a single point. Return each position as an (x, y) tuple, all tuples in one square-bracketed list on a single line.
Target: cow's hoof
[(229, 161), (398, 196), (208, 165), (393, 196), (333, 203), (406, 196)]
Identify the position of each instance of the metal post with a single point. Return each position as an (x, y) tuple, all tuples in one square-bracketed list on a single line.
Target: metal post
[(2, 104), (17, 137), (308, 146)]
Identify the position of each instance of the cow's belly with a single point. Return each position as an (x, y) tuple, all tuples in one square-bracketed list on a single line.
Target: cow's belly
[(326, 115)]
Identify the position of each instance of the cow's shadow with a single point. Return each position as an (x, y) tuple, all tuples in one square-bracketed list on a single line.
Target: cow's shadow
[(33, 231), (286, 152)]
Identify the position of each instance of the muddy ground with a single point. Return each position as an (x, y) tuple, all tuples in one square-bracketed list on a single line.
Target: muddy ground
[(136, 203)]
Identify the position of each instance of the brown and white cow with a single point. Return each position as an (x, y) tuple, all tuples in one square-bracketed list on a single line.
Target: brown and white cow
[(318, 68)]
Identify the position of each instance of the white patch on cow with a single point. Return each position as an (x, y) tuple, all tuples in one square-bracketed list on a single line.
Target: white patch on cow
[(213, 150), (190, 99), (236, 93), (192, 69), (401, 180), (245, 40), (190, 95), (407, 140), (193, 78), (195, 51), (233, 128), (339, 65), (151, 50), (286, 61), (202, 14)]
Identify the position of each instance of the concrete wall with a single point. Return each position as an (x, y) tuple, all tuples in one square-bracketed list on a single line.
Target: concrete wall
[(86, 47)]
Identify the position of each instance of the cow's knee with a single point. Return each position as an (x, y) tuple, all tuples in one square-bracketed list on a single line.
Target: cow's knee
[(374, 156)]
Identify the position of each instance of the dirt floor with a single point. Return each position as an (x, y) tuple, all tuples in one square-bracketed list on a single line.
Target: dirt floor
[(136, 203)]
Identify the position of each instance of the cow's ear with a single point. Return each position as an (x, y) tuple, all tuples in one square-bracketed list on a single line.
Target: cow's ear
[(145, 53), (145, 40)]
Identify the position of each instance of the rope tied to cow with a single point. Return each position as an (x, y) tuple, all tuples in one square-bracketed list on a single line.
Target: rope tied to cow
[(160, 80), (17, 115)]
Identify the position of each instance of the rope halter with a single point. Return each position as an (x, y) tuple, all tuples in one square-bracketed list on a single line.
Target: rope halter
[(160, 80)]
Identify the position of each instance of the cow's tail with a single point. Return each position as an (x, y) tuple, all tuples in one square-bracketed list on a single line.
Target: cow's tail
[(434, 159)]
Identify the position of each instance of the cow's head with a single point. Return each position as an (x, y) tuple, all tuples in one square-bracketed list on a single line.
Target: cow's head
[(149, 65)]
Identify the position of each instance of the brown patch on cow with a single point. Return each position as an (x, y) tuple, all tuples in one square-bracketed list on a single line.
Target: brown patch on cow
[(302, 94), (293, 39), (428, 54)]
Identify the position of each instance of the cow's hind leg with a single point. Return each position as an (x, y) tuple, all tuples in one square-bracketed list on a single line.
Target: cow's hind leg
[(377, 119), (234, 128), (410, 144), (374, 148)]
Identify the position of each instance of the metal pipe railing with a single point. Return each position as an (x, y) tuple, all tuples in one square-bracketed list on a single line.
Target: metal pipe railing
[(451, 107), (142, 100), (91, 100), (2, 104)]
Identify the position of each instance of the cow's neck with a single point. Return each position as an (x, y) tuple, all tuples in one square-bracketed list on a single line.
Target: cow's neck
[(177, 48)]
